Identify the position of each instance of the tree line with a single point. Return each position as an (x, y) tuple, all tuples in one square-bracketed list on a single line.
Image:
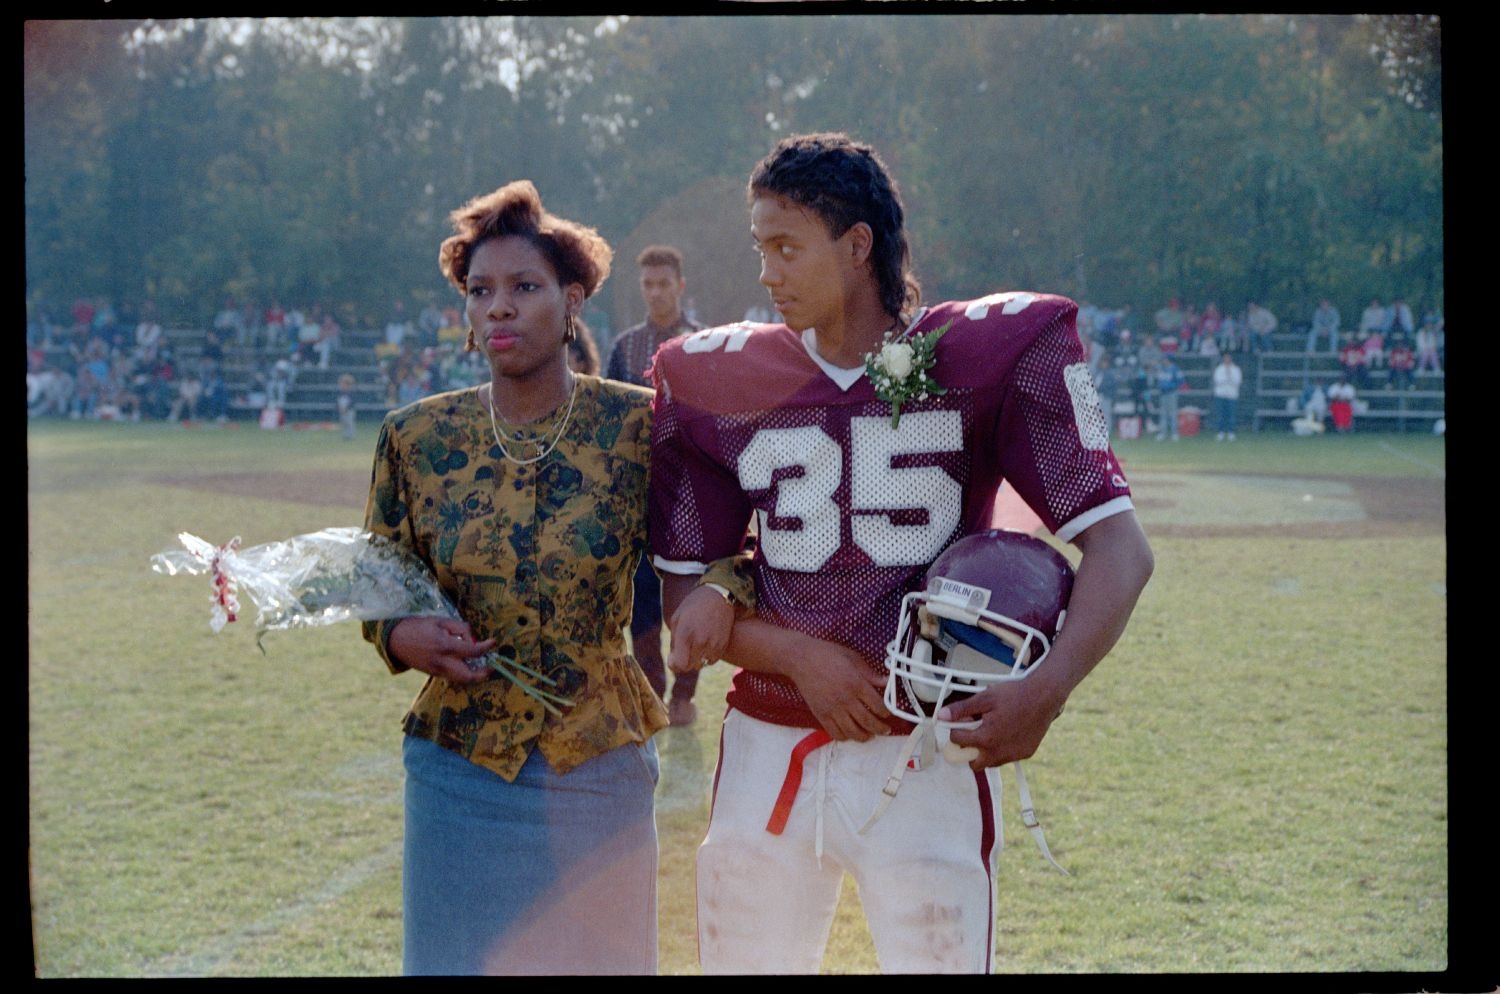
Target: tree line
[(1118, 159)]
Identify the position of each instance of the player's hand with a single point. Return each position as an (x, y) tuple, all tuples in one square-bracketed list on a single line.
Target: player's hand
[(840, 688), (441, 647), (700, 631), (1013, 717)]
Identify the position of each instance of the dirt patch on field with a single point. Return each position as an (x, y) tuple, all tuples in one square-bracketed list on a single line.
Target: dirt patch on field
[(1337, 507), (322, 487), (1179, 507)]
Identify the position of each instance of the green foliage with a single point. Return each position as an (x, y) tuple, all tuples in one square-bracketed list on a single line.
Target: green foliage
[(1121, 159)]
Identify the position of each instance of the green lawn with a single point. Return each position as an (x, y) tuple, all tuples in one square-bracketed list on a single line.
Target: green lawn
[(1255, 780)]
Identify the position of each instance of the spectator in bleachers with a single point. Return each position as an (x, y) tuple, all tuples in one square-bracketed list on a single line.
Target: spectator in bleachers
[(1261, 324), (1352, 361), (1107, 384), (1187, 335), (48, 389), (230, 322), (279, 384), (327, 341), (213, 347), (250, 320), (1341, 404), (411, 388), (1169, 320), (1374, 318), (1226, 392), (1231, 335), (1401, 318), (1402, 361), (88, 390), (345, 405), (1427, 345), (275, 327), (1433, 318), (159, 387), (213, 403), (429, 323), (308, 334), (1313, 402), (293, 330), (1325, 322), (462, 369), (82, 313), (148, 334), (1208, 326), (1087, 320), (1095, 350), (398, 327), (189, 393), (1150, 353), (106, 324), (1374, 349), (119, 395), (1169, 384)]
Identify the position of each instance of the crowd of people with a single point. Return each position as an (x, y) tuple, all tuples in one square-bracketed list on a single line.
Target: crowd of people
[(1137, 374), (107, 363)]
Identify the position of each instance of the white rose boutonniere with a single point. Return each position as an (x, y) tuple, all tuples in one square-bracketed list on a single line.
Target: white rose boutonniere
[(900, 370)]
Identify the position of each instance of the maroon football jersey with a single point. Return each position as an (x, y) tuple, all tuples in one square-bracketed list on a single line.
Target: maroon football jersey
[(850, 511)]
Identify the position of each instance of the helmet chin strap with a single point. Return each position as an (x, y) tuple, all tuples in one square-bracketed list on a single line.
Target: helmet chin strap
[(918, 753)]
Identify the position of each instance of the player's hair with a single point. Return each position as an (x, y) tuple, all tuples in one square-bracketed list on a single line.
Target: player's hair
[(844, 182), (578, 254), (660, 255)]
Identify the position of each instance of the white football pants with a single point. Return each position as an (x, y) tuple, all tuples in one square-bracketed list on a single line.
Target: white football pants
[(925, 869)]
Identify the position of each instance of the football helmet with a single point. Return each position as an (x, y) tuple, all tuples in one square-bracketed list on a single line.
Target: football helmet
[(993, 603)]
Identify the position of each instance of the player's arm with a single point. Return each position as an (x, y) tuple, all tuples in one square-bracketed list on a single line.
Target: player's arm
[(1117, 562), (840, 689)]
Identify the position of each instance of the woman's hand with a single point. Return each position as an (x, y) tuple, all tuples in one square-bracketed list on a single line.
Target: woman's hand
[(700, 630), (441, 647)]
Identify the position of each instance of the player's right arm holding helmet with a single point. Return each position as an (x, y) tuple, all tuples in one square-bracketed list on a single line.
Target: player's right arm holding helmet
[(1014, 717)]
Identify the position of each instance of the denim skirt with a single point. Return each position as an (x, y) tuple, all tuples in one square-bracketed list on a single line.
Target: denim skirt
[(546, 875)]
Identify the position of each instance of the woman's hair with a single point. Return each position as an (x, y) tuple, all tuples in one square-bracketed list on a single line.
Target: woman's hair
[(578, 254), (844, 182), (583, 353)]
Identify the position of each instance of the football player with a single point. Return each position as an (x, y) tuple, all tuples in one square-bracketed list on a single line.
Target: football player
[(866, 434)]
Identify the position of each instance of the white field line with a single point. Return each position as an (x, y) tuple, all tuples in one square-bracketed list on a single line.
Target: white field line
[(1438, 470), (215, 954)]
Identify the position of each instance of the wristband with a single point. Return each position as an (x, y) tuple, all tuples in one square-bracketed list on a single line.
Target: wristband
[(719, 589)]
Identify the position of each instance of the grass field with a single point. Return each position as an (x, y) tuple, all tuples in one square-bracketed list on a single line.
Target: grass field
[(1255, 780)]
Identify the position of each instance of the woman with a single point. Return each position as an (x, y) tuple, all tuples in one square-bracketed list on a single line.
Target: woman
[(530, 839)]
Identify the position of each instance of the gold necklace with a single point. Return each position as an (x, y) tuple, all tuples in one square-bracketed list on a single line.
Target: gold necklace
[(561, 428)]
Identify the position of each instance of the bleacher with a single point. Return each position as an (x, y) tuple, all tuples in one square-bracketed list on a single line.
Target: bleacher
[(313, 395), (1273, 383)]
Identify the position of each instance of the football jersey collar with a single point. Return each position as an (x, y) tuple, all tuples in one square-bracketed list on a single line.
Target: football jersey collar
[(842, 377)]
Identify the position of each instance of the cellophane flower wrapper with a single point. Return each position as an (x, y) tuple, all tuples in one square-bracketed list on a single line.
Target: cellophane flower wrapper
[(326, 577)]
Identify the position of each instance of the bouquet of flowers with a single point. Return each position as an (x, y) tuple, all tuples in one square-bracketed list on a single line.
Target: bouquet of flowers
[(328, 576)]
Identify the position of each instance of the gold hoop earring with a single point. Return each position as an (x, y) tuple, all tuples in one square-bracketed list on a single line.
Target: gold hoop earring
[(470, 344)]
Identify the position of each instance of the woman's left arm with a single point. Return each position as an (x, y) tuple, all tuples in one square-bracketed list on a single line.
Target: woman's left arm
[(437, 646)]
